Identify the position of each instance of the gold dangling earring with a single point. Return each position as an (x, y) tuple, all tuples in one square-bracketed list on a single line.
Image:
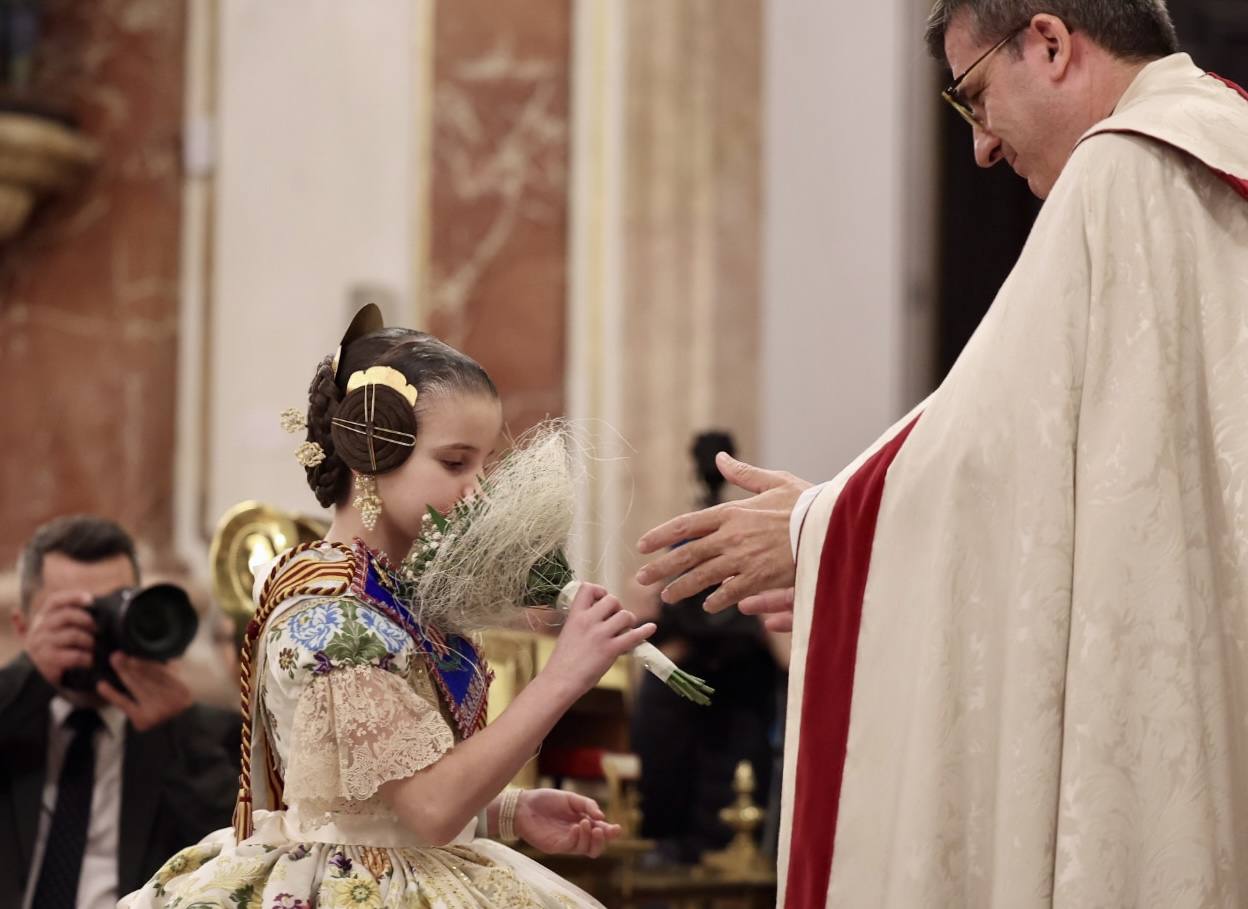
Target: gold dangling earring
[(366, 500)]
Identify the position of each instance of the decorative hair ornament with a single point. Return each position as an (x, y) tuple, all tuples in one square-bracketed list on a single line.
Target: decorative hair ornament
[(384, 420), (309, 453), (293, 420), (366, 500), (374, 425), (383, 375), (366, 321)]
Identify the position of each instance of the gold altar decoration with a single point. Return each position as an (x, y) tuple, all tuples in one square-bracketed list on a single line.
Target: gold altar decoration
[(249, 535), (742, 858), (38, 157)]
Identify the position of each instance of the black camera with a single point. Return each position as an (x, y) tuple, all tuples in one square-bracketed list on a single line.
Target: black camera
[(153, 623)]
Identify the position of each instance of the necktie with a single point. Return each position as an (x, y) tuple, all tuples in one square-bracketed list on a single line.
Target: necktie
[(57, 886)]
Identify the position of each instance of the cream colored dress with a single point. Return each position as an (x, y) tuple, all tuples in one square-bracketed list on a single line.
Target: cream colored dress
[(347, 701)]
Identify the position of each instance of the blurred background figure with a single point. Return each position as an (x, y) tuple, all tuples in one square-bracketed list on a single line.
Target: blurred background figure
[(689, 753), (103, 781)]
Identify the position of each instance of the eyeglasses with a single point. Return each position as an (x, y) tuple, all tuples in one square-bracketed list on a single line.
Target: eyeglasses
[(952, 93)]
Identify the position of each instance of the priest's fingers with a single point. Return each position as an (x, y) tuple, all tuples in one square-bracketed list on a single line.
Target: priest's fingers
[(689, 526), (753, 479), (782, 622), (769, 601), (708, 574), (765, 568), (682, 558), (737, 588)]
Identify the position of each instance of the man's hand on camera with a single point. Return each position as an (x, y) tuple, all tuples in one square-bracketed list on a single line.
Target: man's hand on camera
[(157, 692), (61, 635)]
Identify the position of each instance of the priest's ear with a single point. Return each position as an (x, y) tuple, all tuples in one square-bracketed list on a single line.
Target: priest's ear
[(1056, 41)]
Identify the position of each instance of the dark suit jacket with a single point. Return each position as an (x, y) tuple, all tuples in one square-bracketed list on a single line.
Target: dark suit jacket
[(179, 782)]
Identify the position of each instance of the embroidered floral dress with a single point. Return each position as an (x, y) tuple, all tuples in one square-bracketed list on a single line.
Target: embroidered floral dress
[(350, 695)]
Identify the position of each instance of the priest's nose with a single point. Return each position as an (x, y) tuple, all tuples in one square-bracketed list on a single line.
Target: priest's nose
[(987, 148)]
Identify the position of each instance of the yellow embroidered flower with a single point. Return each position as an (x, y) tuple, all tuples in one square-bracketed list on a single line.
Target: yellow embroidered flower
[(183, 863), (353, 892), (242, 877)]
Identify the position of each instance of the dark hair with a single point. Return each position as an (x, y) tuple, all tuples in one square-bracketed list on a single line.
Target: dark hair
[(1129, 29), (705, 446), (429, 364), (83, 538)]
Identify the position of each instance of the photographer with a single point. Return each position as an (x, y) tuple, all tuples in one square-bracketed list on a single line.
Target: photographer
[(102, 783)]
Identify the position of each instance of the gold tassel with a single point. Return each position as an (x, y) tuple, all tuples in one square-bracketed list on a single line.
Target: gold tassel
[(243, 827), (270, 596)]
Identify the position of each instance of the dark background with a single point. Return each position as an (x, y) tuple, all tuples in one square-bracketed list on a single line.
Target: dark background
[(985, 215)]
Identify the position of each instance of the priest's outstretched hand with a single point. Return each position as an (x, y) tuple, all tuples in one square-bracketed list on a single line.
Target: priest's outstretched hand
[(742, 546)]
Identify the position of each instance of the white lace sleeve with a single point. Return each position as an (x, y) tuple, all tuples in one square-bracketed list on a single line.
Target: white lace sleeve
[(356, 728), (355, 715)]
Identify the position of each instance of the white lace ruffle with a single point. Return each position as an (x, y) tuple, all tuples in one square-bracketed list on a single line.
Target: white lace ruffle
[(355, 728)]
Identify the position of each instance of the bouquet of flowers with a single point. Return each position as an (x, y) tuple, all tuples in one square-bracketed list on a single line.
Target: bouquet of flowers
[(506, 547)]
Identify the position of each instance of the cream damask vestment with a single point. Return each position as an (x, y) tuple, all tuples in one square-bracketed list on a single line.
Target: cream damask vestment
[(1020, 666)]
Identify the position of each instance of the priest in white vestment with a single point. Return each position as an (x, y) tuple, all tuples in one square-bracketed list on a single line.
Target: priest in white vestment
[(1020, 660)]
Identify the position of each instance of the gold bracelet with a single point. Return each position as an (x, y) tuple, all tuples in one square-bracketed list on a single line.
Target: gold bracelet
[(507, 815)]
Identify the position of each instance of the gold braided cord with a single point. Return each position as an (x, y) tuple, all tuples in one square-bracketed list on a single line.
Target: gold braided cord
[(307, 579)]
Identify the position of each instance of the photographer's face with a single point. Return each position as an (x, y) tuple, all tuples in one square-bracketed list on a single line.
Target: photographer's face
[(65, 577), (62, 575), (56, 631)]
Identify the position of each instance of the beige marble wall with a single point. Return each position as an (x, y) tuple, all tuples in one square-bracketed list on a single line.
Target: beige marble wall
[(690, 244), (88, 294)]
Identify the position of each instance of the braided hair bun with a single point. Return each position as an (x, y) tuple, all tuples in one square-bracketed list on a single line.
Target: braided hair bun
[(331, 479), (392, 436), (429, 365)]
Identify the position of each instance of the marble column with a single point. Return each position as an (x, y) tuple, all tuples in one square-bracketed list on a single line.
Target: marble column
[(692, 237), (677, 337), (88, 293)]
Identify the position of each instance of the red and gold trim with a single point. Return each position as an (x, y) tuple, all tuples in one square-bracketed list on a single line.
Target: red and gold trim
[(311, 577), (831, 655)]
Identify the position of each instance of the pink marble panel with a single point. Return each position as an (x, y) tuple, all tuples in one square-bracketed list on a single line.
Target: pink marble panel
[(499, 247), (88, 293)]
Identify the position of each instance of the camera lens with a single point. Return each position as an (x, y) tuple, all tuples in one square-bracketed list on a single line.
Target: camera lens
[(159, 623)]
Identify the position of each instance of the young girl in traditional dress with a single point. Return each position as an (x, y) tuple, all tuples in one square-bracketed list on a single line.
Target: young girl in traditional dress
[(369, 778)]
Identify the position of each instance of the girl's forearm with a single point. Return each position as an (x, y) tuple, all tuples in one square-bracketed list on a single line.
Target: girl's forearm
[(438, 802)]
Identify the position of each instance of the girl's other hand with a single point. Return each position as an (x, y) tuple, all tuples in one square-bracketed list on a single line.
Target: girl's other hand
[(563, 823)]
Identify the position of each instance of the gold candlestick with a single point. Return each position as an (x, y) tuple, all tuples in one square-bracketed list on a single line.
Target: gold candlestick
[(741, 858)]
